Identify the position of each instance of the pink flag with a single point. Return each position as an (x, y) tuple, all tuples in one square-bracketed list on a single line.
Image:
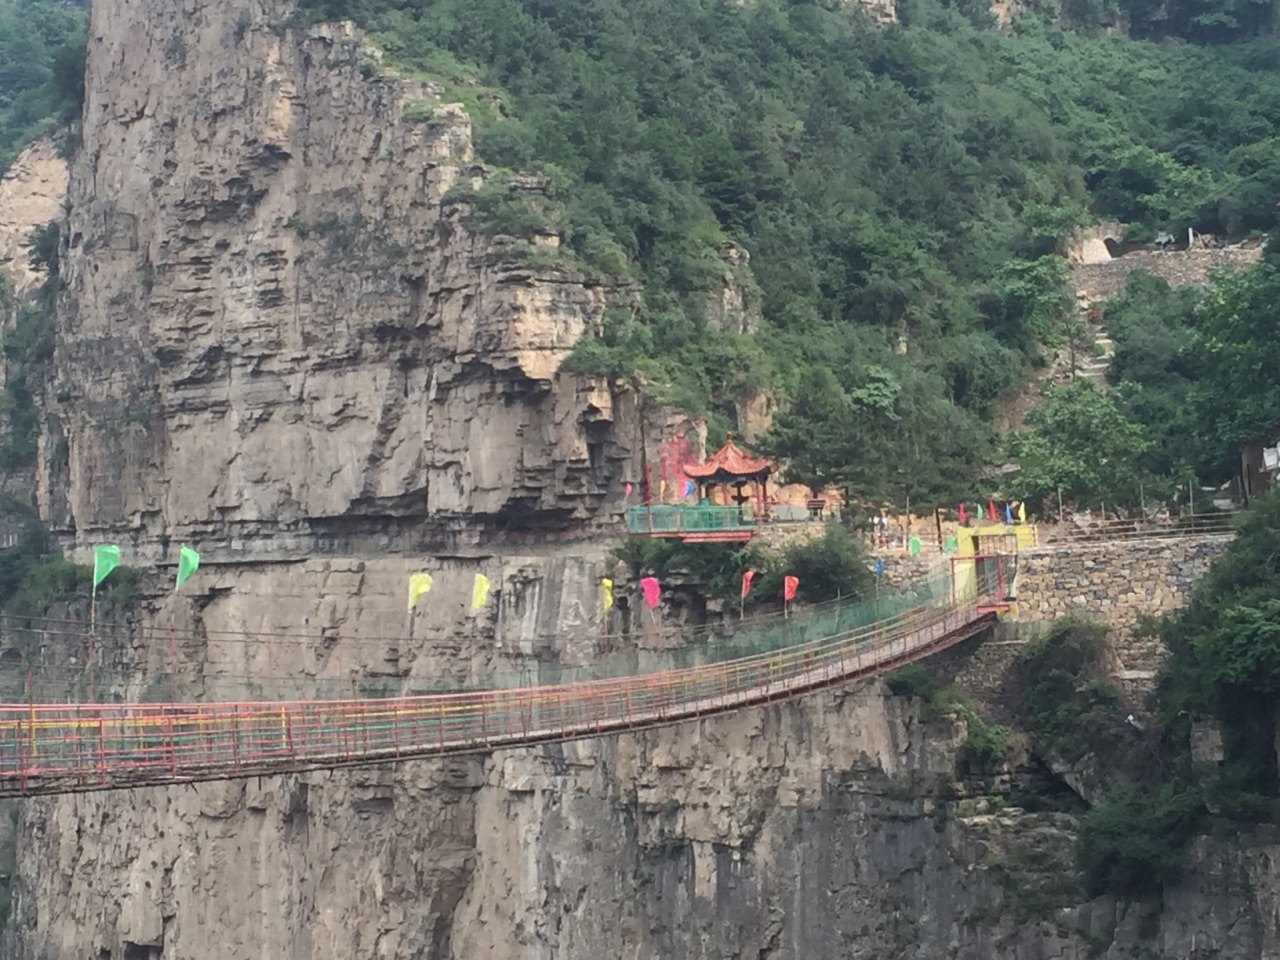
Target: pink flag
[(746, 583), (789, 586), (629, 489), (963, 518), (651, 591)]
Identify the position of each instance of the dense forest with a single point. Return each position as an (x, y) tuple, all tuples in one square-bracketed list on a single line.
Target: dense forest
[(41, 69), (901, 191)]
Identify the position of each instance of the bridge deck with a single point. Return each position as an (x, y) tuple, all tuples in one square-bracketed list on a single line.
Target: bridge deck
[(69, 748)]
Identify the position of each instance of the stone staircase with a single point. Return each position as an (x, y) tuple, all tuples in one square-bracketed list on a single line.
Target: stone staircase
[(1094, 368)]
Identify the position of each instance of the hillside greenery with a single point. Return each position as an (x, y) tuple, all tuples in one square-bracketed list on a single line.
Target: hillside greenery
[(42, 45), (1194, 375), (1224, 667), (900, 190)]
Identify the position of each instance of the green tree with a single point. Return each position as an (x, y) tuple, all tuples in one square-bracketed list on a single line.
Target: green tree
[(1236, 339), (1078, 441)]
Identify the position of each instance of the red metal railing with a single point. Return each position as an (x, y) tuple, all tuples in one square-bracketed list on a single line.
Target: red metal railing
[(65, 748)]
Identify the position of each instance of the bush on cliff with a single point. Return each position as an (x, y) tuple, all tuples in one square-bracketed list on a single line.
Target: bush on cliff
[(831, 566), (1133, 843)]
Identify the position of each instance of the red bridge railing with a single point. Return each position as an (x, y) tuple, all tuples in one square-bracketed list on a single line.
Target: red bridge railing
[(65, 748)]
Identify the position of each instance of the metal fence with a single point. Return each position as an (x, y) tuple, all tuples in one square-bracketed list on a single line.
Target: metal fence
[(70, 748)]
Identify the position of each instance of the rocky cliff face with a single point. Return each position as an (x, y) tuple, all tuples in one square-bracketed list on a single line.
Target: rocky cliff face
[(278, 325), (32, 192), (833, 827), (282, 341)]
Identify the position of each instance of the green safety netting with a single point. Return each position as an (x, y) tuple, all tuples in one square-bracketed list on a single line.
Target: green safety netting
[(39, 680), (681, 519)]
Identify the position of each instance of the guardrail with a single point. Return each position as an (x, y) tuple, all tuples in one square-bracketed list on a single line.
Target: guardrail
[(49, 748), (1139, 529), (671, 520)]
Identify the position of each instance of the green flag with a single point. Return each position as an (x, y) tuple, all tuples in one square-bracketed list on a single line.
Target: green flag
[(188, 560), (106, 557)]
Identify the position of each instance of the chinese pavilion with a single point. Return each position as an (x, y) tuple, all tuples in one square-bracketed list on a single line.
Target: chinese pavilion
[(732, 469), (728, 467)]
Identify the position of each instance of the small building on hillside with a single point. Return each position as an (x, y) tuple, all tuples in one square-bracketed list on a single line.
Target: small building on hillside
[(733, 470), (1259, 464)]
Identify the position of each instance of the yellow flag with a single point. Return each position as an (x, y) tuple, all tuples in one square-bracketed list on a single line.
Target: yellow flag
[(1022, 512), (607, 584), (419, 583), (480, 592)]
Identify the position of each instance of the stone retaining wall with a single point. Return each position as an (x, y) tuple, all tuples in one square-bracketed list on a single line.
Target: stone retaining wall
[(1118, 582)]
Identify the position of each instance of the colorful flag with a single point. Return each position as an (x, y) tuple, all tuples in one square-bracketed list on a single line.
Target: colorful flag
[(419, 583), (607, 586), (952, 545), (991, 510), (188, 562), (963, 519), (479, 592), (106, 557), (629, 489), (879, 569), (1022, 512), (789, 586), (914, 546), (746, 583), (688, 488), (662, 489), (651, 591)]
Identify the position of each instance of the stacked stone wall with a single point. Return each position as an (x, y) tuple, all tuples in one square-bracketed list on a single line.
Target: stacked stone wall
[(1117, 582)]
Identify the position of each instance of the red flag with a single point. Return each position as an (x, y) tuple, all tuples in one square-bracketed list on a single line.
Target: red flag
[(651, 591), (789, 585), (991, 510), (746, 583), (962, 515)]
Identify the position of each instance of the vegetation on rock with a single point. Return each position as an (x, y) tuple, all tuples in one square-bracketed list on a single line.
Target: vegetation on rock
[(831, 566), (42, 49), (901, 191), (1224, 650)]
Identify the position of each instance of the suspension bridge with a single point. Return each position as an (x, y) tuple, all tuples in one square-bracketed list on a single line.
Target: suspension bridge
[(58, 748)]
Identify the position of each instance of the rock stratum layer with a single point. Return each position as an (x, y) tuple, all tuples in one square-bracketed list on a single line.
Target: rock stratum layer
[(279, 327)]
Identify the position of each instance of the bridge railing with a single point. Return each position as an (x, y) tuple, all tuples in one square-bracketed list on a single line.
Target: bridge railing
[(673, 520), (63, 748), (1113, 529)]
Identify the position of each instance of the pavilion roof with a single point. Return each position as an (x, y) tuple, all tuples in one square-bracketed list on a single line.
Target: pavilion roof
[(729, 461)]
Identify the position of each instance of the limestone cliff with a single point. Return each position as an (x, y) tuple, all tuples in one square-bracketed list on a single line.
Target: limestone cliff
[(32, 192), (282, 340), (279, 327)]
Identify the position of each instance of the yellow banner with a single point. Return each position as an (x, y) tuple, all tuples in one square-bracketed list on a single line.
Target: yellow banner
[(480, 592), (607, 585), (419, 583)]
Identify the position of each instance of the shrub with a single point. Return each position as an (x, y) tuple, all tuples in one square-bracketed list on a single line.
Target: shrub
[(1132, 844)]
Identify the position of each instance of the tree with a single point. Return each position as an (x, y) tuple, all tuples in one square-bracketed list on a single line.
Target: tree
[(1078, 441), (1237, 341)]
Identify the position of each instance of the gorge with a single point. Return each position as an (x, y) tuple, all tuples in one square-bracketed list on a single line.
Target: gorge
[(281, 332)]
